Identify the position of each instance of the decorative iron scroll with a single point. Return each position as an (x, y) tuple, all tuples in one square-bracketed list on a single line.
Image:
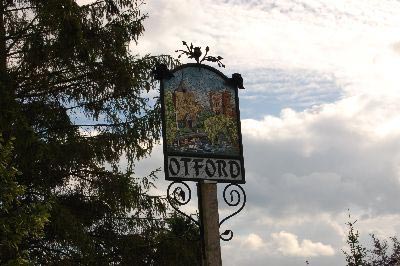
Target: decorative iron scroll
[(235, 194), (180, 195), (195, 52)]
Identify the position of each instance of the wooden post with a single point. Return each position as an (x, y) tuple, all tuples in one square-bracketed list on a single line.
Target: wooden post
[(210, 224)]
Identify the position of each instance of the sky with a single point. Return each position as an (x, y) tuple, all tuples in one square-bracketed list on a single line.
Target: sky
[(320, 118)]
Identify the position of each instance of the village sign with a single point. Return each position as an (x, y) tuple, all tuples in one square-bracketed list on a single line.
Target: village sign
[(201, 125)]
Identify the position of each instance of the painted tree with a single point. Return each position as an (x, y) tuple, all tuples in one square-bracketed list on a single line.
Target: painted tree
[(220, 124), (72, 97)]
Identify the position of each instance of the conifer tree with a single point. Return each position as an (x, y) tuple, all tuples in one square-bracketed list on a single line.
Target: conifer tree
[(17, 221), (73, 98)]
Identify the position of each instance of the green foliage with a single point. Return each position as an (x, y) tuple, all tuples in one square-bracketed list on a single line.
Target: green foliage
[(18, 221), (220, 124), (379, 255), (73, 97), (358, 253), (180, 244)]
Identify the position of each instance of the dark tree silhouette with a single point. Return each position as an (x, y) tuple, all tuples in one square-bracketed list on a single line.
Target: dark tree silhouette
[(73, 99)]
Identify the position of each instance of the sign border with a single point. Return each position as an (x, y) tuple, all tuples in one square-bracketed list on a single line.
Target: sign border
[(183, 154)]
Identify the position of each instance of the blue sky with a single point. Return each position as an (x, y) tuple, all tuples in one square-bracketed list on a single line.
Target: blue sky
[(269, 90), (320, 117)]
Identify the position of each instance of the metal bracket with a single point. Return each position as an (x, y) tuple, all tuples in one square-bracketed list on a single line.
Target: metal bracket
[(180, 194), (236, 193)]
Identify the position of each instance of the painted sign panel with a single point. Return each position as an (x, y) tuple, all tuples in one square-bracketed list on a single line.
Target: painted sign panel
[(201, 126)]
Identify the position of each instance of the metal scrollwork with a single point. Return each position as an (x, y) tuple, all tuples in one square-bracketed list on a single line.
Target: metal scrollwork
[(196, 53), (179, 193), (234, 195)]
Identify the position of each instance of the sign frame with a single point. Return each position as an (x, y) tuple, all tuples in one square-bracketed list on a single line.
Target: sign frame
[(211, 156)]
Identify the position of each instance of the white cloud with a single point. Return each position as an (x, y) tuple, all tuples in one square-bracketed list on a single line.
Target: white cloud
[(351, 40), (325, 159), (289, 245), (280, 248), (253, 241), (369, 117)]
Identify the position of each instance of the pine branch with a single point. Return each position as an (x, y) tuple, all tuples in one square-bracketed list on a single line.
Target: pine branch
[(94, 3), (18, 35), (19, 9)]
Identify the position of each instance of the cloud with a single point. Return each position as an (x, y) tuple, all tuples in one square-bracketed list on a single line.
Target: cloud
[(306, 168), (279, 248), (352, 41), (289, 245), (328, 158), (253, 241), (396, 47)]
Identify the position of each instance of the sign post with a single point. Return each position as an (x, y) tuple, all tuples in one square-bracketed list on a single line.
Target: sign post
[(210, 219), (202, 142)]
